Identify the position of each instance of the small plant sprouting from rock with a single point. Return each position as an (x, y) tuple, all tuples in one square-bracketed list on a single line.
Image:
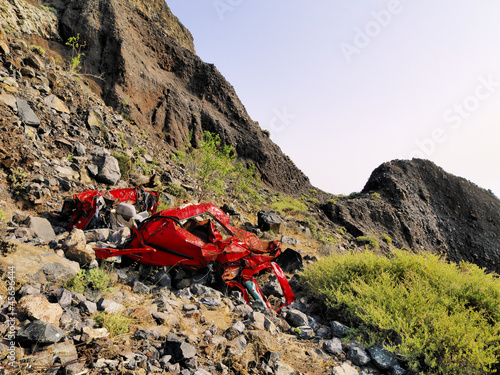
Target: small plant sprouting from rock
[(37, 49), (95, 279), (116, 324), (215, 169), (375, 196), (370, 242), (17, 179), (387, 239), (77, 54)]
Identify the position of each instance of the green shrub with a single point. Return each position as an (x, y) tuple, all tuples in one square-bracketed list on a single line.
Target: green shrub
[(286, 204), (175, 190), (375, 196), (77, 54), (370, 242), (17, 180), (95, 279), (38, 49), (387, 239), (441, 318), (215, 169), (116, 324), (124, 163), (342, 230)]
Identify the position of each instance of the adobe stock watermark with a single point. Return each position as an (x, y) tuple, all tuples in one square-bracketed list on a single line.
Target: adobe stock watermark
[(363, 37), (280, 120), (10, 322), (455, 116), (223, 6)]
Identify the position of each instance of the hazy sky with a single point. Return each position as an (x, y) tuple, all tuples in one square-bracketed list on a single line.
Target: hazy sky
[(344, 86)]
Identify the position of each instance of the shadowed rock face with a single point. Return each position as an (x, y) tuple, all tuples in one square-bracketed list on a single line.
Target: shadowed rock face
[(150, 73), (422, 206)]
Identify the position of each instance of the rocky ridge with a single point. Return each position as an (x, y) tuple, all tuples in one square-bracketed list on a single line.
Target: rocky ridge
[(422, 207)]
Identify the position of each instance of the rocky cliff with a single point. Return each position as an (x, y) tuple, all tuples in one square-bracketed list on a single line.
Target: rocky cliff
[(148, 71), (420, 206)]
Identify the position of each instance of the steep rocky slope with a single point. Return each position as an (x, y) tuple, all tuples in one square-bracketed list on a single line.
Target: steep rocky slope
[(148, 70), (423, 207)]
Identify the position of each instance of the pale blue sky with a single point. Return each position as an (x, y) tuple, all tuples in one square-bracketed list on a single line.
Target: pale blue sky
[(344, 86)]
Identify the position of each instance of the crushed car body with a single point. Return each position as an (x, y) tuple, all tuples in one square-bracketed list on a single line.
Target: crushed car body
[(193, 237)]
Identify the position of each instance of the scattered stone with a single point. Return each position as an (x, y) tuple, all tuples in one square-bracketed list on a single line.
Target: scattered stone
[(90, 334), (344, 369), (26, 113), (178, 348), (105, 169), (261, 322), (237, 346), (270, 221), (212, 302), (63, 352), (305, 332), (139, 287), (243, 310), (333, 346), (95, 235), (71, 319), (358, 356), (382, 358), (296, 318), (339, 330), (42, 228), (57, 272), (28, 289), (109, 306), (88, 307), (282, 368), (397, 370), (54, 102), (64, 297), (290, 261), (85, 256), (79, 149), (9, 100), (40, 332), (34, 61), (163, 279), (38, 307)]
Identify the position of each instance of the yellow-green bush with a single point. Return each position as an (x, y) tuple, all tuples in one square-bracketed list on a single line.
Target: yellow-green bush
[(287, 204), (96, 279), (116, 324), (442, 318)]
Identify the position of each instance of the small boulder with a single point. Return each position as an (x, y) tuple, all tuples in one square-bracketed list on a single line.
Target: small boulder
[(339, 330), (270, 221), (358, 356), (38, 307), (333, 346), (26, 113), (382, 358), (290, 260), (296, 318), (105, 169), (54, 102), (84, 256), (42, 228), (58, 272), (344, 369), (40, 332)]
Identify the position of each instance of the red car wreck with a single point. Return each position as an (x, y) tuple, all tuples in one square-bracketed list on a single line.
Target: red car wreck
[(192, 237)]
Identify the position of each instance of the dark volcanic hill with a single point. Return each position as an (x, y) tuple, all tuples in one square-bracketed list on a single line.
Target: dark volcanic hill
[(149, 71), (424, 207)]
